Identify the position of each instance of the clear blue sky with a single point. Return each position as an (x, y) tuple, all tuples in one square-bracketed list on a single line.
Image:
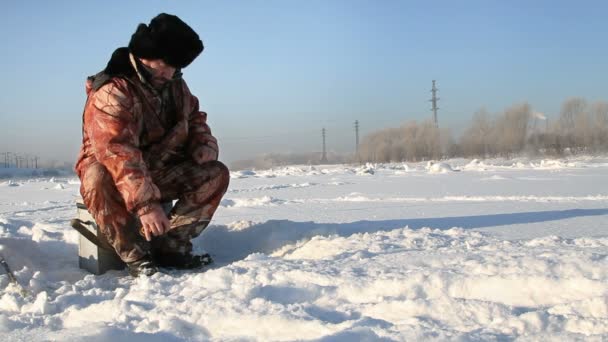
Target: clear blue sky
[(274, 73)]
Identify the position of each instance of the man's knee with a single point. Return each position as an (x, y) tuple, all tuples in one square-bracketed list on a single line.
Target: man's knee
[(223, 169), (218, 170)]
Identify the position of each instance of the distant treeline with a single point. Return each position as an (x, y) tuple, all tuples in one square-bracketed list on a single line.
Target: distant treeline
[(580, 128), (268, 161)]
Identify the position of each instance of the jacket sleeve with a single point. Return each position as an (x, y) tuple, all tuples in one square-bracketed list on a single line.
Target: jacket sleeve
[(199, 132), (114, 134)]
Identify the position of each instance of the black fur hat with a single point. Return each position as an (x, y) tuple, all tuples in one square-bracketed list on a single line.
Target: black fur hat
[(168, 38)]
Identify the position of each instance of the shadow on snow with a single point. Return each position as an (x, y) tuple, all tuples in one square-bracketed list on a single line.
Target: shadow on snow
[(228, 245)]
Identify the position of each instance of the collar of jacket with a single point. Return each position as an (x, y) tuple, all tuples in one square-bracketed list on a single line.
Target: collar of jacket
[(124, 64), (145, 76)]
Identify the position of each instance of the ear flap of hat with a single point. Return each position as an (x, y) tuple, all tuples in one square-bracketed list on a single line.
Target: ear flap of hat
[(167, 38)]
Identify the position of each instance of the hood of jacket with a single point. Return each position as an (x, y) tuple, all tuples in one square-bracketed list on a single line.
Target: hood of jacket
[(124, 65)]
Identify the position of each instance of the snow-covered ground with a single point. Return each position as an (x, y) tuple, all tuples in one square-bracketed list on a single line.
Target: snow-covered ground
[(458, 250)]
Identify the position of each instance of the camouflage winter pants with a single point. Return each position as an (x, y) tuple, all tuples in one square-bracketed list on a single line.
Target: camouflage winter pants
[(198, 190)]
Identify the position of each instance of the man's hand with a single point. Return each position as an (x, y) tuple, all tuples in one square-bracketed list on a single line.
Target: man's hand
[(154, 222), (203, 154)]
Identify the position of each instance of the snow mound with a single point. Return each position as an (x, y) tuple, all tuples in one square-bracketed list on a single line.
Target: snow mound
[(274, 187), (366, 170), (553, 164), (242, 174), (10, 183), (240, 225), (476, 165), (354, 197), (250, 202), (398, 166), (59, 180), (297, 171), (440, 167)]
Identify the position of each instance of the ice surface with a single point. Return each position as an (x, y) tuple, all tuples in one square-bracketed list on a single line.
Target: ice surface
[(503, 249)]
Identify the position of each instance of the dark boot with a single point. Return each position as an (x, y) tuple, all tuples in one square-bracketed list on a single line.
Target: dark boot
[(180, 261), (144, 266)]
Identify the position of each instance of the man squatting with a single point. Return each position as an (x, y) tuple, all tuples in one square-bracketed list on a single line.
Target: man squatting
[(146, 142)]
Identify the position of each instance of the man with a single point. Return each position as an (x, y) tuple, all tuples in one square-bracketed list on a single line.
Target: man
[(145, 142)]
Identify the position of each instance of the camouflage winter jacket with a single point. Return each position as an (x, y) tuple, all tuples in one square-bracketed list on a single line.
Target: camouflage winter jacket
[(131, 128)]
